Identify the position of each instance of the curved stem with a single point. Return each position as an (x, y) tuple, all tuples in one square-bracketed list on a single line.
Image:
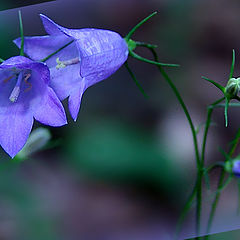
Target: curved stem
[(195, 142), (184, 212), (220, 185), (208, 121)]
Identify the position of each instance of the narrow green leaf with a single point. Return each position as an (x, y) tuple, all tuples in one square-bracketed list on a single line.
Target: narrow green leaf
[(135, 80), (138, 25), (1, 60), (233, 63), (221, 88), (21, 33)]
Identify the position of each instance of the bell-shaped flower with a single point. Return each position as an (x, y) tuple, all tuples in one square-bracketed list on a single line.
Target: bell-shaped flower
[(77, 58), (25, 95)]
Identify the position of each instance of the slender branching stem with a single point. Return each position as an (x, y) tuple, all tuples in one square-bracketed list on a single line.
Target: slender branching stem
[(21, 33), (220, 185)]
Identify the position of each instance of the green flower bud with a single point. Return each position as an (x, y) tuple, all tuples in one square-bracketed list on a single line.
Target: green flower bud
[(232, 88), (36, 141)]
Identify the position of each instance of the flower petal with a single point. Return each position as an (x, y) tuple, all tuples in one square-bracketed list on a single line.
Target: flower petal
[(15, 126), (101, 52), (65, 80), (38, 48), (51, 111), (74, 101)]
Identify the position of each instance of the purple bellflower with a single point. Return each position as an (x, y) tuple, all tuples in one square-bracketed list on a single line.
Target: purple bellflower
[(236, 168), (25, 95), (77, 58)]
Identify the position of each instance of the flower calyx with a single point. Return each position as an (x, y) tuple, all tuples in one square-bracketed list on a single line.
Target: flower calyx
[(231, 89)]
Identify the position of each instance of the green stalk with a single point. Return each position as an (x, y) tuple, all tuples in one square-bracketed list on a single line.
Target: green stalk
[(220, 185), (194, 135), (184, 212), (208, 122), (21, 33)]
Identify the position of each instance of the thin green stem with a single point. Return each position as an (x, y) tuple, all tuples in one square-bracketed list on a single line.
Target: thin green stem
[(183, 105), (220, 185), (194, 135), (184, 212), (135, 80), (208, 122), (138, 25), (21, 33), (46, 58)]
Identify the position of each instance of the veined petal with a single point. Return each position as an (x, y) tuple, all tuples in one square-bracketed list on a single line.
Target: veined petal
[(50, 112), (101, 52)]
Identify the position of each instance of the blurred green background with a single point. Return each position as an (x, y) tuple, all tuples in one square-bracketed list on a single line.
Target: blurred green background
[(126, 167)]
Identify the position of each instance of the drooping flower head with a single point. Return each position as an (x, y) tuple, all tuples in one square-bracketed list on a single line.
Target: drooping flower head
[(82, 57), (25, 95)]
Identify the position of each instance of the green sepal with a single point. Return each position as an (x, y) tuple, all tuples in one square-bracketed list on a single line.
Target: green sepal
[(135, 80), (220, 87), (133, 54), (131, 44), (233, 63), (138, 25), (226, 110)]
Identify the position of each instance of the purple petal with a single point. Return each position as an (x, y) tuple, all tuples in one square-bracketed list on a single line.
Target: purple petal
[(50, 27), (15, 118), (21, 62), (65, 80), (15, 126), (38, 48), (74, 101), (50, 111), (101, 52)]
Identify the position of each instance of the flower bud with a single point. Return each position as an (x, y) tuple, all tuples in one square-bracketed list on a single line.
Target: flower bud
[(36, 141), (232, 88)]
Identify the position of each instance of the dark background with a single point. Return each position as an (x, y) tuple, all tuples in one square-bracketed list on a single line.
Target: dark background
[(126, 167)]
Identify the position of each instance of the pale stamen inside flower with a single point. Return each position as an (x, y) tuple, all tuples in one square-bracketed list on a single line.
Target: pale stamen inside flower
[(63, 64), (16, 91)]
